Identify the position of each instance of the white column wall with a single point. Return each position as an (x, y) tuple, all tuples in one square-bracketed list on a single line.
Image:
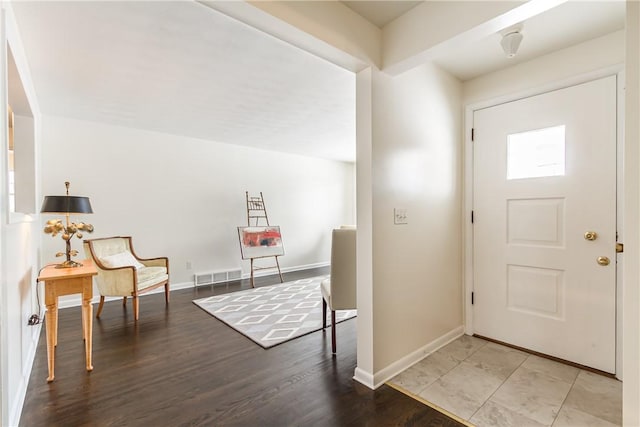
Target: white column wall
[(416, 158), (364, 368), (20, 244), (184, 198)]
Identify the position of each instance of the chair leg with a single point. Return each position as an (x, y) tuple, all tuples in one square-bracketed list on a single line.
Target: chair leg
[(333, 331), (136, 307), (100, 306), (324, 313), (166, 293), (124, 301)]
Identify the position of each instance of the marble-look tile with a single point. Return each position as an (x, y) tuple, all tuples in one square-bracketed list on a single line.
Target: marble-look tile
[(598, 396), (569, 417), (417, 377), (557, 370), (533, 394), (497, 359), (462, 347), (463, 390), (494, 415)]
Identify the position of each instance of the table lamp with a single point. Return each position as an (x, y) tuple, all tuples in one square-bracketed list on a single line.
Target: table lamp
[(67, 205)]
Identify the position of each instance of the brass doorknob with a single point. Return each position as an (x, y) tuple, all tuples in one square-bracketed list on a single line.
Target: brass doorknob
[(590, 235), (603, 260)]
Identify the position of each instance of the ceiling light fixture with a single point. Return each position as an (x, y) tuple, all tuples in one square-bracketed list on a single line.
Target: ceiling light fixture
[(511, 42)]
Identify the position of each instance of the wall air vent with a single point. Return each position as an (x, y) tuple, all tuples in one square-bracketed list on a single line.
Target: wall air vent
[(213, 277)]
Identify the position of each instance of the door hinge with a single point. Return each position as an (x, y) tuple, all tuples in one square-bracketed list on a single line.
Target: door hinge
[(472, 217), (472, 298), (473, 134), (619, 248)]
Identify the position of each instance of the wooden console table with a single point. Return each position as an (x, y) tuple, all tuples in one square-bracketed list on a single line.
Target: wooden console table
[(66, 281)]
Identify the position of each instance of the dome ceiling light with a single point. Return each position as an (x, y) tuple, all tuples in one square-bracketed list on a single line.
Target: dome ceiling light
[(511, 39)]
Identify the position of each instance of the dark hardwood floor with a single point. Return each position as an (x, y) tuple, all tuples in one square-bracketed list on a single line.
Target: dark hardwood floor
[(179, 366)]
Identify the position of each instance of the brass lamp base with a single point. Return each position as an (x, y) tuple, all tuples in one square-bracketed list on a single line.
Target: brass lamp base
[(69, 264)]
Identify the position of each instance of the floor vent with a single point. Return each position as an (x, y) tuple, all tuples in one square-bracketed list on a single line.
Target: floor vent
[(213, 277)]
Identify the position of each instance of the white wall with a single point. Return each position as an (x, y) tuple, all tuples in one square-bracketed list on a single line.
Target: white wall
[(416, 154), (184, 198), (20, 240)]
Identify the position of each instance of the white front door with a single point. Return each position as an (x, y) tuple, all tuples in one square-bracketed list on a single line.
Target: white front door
[(544, 180)]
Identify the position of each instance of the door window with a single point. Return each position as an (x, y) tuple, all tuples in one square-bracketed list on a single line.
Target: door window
[(536, 153)]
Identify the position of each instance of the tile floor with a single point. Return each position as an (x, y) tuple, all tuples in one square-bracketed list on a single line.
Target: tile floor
[(488, 384)]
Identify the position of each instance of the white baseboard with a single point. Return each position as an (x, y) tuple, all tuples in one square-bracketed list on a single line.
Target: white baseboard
[(21, 392), (375, 380), (364, 377)]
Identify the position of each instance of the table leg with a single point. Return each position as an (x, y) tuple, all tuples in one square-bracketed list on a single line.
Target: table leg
[(51, 326), (87, 327), (54, 318), (84, 321)]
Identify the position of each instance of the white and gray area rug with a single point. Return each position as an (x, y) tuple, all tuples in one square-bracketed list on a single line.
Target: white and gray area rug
[(271, 315)]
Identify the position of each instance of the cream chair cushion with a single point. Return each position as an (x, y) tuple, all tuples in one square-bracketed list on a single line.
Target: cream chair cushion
[(122, 259), (148, 276)]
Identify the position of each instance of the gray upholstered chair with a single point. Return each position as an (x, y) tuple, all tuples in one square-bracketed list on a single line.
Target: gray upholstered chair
[(339, 290), (122, 273)]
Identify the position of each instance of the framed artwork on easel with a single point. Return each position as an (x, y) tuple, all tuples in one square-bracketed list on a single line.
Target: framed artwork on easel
[(260, 241)]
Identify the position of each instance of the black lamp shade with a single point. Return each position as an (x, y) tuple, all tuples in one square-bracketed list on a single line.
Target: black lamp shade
[(66, 204)]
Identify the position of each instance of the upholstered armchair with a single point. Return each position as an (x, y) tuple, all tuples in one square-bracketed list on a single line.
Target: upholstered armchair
[(122, 273), (339, 290)]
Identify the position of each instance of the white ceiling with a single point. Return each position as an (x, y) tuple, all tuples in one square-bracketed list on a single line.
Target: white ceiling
[(568, 24), (380, 13), (183, 68), (186, 69)]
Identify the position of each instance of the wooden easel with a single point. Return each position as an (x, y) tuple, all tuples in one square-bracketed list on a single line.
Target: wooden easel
[(257, 211)]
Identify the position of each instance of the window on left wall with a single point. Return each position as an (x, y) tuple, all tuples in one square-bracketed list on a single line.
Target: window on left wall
[(20, 167), (11, 166)]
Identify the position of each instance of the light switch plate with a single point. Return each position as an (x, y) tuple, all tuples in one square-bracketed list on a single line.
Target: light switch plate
[(400, 216)]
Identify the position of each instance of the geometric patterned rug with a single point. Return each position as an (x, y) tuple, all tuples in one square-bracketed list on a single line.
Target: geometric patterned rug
[(271, 315)]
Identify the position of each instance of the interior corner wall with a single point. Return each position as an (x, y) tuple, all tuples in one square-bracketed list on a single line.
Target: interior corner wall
[(416, 158), (184, 198)]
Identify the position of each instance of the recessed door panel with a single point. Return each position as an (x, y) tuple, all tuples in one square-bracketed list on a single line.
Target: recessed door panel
[(535, 291), (536, 221)]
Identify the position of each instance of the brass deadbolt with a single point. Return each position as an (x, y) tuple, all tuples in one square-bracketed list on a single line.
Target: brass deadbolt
[(603, 260)]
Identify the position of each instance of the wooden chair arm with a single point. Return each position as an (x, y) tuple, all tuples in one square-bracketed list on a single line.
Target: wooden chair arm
[(155, 262)]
